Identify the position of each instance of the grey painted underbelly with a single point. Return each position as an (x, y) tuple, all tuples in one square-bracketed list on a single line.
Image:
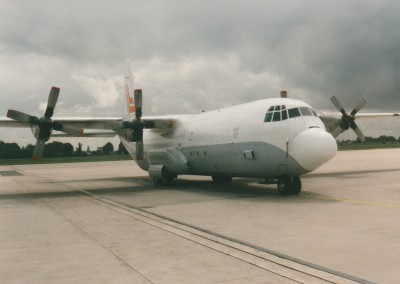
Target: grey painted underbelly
[(249, 159)]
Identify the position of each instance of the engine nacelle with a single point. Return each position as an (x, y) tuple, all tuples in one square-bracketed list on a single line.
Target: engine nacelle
[(127, 134), (172, 159), (157, 171)]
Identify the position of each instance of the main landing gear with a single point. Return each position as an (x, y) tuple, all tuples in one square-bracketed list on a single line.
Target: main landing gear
[(221, 179), (287, 185), (165, 180)]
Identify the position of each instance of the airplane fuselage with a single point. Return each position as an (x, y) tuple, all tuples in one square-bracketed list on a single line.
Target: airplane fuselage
[(266, 139)]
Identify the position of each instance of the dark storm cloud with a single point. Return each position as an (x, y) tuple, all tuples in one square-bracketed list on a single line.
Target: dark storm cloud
[(198, 54)]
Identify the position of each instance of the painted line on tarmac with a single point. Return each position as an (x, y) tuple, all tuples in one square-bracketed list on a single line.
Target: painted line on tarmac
[(380, 204)]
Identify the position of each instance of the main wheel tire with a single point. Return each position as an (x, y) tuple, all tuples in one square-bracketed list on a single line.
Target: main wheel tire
[(166, 180), (284, 185), (296, 185)]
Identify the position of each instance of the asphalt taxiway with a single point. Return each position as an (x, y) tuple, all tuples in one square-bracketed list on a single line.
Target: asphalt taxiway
[(107, 222)]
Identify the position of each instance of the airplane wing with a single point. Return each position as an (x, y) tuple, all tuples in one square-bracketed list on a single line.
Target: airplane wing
[(130, 126), (110, 123), (333, 121), (339, 122)]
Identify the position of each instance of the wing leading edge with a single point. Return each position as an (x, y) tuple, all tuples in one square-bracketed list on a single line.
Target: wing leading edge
[(111, 123)]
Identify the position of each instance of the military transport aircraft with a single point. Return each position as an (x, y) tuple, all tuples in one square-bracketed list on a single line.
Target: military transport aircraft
[(279, 139)]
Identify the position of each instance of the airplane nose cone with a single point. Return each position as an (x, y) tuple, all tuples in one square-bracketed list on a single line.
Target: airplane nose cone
[(312, 148)]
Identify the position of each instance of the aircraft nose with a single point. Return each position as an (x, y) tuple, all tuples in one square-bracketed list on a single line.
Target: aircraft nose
[(312, 148)]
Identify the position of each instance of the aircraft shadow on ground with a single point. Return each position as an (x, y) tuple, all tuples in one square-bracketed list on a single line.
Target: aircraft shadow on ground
[(241, 188)]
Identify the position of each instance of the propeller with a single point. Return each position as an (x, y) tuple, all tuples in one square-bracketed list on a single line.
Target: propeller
[(348, 120), (44, 125), (137, 125)]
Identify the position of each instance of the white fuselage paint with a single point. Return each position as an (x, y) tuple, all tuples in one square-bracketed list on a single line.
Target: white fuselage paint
[(236, 142)]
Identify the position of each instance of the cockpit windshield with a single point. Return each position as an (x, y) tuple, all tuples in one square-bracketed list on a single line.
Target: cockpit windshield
[(280, 113)]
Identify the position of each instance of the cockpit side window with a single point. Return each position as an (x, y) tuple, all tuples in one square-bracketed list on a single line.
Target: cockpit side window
[(305, 111), (277, 116), (268, 117), (294, 112), (280, 113), (276, 113), (284, 114), (314, 113)]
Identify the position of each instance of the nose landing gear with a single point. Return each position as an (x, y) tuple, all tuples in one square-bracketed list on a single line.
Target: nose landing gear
[(287, 185)]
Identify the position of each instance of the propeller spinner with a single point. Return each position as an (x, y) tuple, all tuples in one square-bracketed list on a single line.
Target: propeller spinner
[(348, 120)]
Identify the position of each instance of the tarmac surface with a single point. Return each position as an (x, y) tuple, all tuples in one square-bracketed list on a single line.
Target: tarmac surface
[(106, 222)]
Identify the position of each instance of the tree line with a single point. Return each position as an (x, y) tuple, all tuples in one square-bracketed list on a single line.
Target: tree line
[(55, 149), (58, 149), (383, 139)]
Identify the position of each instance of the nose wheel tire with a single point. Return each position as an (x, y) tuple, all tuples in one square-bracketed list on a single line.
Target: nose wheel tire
[(287, 185)]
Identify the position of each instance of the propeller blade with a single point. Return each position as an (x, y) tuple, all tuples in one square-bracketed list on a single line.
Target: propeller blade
[(52, 101), (360, 134), (39, 148), (361, 103), (336, 103), (138, 103), (22, 117), (358, 131), (139, 150), (337, 131)]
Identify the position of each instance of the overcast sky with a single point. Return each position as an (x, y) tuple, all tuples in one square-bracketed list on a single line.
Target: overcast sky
[(189, 56)]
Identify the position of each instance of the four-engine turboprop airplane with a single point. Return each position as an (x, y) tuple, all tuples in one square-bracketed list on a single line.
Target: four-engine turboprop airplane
[(279, 139)]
